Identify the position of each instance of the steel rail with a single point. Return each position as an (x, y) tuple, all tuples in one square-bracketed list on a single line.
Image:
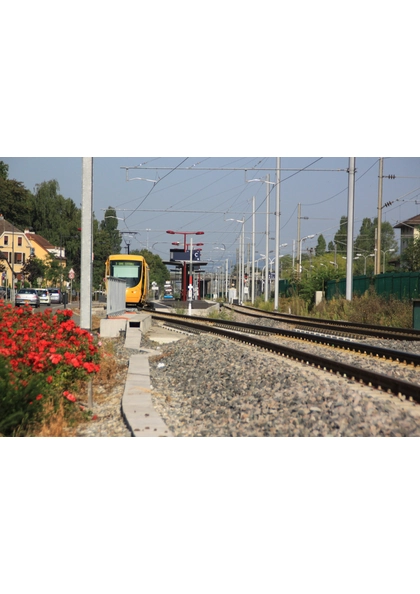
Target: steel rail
[(357, 347), (350, 327), (379, 381)]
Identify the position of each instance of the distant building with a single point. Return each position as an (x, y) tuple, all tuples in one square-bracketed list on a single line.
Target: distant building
[(16, 246), (410, 229), (42, 248), (15, 249)]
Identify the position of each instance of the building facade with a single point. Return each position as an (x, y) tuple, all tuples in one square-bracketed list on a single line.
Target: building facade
[(410, 229), (16, 246)]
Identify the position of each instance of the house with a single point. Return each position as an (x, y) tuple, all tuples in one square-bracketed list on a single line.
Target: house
[(410, 229), (42, 248), (16, 246), (15, 249)]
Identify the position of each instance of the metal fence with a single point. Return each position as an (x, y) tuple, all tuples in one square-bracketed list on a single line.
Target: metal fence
[(401, 285), (115, 302)]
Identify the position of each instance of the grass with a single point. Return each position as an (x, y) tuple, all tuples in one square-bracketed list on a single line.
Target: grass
[(369, 308)]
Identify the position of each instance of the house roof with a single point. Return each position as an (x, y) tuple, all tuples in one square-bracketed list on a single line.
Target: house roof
[(413, 222), (44, 243), (6, 227)]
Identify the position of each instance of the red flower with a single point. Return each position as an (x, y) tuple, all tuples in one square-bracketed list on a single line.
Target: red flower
[(69, 396), (38, 397)]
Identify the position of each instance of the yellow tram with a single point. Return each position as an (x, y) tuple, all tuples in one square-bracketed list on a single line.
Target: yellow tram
[(134, 270)]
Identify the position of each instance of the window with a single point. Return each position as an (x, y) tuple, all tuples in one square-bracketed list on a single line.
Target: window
[(6, 240), (19, 241)]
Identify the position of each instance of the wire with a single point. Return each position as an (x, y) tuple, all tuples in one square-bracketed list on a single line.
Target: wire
[(154, 185)]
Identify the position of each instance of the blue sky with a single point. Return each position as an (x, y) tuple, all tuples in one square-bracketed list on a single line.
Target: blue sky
[(200, 194)]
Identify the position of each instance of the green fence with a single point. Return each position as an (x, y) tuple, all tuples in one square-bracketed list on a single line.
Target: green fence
[(401, 285)]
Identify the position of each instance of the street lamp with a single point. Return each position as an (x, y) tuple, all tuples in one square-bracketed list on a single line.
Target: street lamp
[(300, 248), (384, 252), (241, 259), (268, 182), (365, 257)]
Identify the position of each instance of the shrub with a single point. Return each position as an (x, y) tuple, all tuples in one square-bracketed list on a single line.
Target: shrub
[(43, 355)]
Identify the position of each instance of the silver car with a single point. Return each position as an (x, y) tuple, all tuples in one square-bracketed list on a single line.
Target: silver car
[(44, 296), (27, 297), (56, 296)]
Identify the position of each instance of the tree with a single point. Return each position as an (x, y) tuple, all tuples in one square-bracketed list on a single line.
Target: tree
[(320, 246), (158, 271), (33, 269), (340, 238), (15, 201), (109, 226), (410, 258), (4, 170), (53, 270)]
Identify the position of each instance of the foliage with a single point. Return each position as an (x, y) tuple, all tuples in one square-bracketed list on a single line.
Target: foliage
[(43, 353), (410, 258), (321, 246), (20, 405), (4, 170), (368, 308), (340, 238), (158, 271), (33, 269), (15, 201)]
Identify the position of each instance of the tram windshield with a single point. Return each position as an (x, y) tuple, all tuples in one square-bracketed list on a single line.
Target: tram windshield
[(126, 270)]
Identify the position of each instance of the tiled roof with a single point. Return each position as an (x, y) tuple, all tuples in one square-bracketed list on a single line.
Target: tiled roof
[(413, 222), (39, 240), (6, 227)]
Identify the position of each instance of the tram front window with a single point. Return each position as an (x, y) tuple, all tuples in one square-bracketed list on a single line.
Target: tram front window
[(127, 271)]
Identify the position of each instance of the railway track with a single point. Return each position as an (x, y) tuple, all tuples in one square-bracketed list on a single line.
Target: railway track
[(250, 335), (337, 327)]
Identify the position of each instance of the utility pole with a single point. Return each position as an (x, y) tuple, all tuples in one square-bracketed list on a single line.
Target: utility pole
[(350, 227), (267, 237), (86, 272), (298, 241), (277, 248), (253, 253), (378, 244), (86, 256)]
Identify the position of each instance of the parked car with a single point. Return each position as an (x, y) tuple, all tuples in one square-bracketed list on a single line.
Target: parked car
[(44, 296), (27, 296), (56, 295), (4, 293)]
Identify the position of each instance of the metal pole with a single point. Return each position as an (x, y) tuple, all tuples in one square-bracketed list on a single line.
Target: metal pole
[(253, 253), (86, 256), (226, 280), (350, 227), (277, 252), (267, 237), (380, 181), (298, 241), (243, 260), (12, 294)]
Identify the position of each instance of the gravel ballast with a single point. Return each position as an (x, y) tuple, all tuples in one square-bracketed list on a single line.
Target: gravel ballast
[(205, 386)]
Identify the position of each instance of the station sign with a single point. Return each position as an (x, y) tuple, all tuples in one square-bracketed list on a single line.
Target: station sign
[(182, 256)]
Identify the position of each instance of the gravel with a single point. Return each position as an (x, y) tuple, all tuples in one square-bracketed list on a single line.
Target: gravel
[(205, 386)]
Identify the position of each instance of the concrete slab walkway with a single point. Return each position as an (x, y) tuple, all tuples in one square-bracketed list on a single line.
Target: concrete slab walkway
[(137, 408)]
